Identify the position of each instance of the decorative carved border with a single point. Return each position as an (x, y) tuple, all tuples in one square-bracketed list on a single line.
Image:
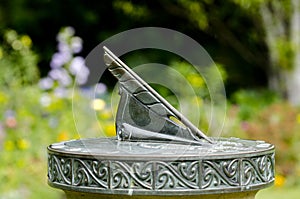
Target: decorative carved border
[(154, 177)]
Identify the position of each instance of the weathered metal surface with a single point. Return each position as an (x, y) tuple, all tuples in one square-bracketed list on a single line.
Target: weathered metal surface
[(109, 166), (155, 156), (238, 195), (143, 113)]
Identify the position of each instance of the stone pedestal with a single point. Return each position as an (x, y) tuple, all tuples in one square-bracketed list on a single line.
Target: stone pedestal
[(108, 168), (237, 195)]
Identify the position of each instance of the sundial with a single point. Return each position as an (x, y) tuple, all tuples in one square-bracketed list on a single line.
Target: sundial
[(157, 152)]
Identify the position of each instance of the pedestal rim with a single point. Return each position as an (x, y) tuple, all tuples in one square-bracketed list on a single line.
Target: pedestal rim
[(209, 156), (194, 175)]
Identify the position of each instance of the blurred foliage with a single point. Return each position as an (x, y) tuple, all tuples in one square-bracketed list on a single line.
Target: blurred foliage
[(31, 118), (36, 120), (196, 12), (67, 69), (278, 124), (231, 36), (195, 79), (280, 23), (18, 63), (132, 10), (285, 49), (252, 101), (261, 115)]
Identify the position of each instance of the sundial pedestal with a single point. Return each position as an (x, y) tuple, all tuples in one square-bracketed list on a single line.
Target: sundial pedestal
[(238, 195), (108, 168), (154, 156)]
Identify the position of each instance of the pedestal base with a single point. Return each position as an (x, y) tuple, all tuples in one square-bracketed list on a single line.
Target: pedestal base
[(238, 195), (108, 168)]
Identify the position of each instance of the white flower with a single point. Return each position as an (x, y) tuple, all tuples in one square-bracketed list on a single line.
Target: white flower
[(78, 68), (76, 65), (70, 31), (45, 100), (76, 44), (98, 104), (61, 92), (65, 33)]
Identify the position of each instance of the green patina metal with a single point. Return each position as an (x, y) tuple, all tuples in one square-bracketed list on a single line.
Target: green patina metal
[(153, 156)]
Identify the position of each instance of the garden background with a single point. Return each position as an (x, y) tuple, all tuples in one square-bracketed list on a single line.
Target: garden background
[(255, 44)]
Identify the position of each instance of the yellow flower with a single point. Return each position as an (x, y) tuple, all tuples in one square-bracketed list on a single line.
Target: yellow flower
[(56, 105), (9, 145), (23, 144), (76, 137), (298, 118), (62, 136), (3, 98), (195, 80), (279, 180), (105, 115), (110, 130), (98, 104), (26, 41)]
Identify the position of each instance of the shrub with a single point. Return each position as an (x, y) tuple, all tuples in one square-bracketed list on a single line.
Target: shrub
[(278, 124), (18, 63)]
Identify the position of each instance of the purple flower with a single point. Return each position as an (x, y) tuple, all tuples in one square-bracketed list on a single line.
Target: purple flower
[(46, 83), (78, 68), (76, 44), (61, 75), (59, 59), (64, 65), (9, 113), (100, 89), (76, 65), (63, 47), (87, 92), (82, 77)]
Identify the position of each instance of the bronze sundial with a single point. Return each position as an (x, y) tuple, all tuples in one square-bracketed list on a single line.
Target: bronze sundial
[(143, 114), (154, 154)]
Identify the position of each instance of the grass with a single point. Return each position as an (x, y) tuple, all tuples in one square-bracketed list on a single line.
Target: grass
[(279, 193)]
